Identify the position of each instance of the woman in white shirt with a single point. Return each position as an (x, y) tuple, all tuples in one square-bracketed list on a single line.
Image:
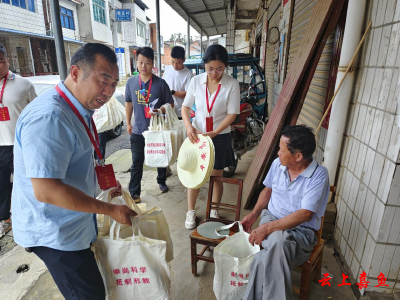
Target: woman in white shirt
[(217, 99)]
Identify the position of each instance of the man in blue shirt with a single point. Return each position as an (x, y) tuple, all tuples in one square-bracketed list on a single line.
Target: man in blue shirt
[(296, 194), (54, 179), (143, 92)]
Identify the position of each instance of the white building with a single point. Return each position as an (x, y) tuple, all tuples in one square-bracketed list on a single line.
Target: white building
[(136, 32)]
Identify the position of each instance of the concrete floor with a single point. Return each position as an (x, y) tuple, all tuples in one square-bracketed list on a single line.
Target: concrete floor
[(36, 283)]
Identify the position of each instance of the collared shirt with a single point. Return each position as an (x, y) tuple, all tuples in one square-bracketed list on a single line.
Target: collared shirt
[(51, 142), (310, 190), (177, 81), (18, 92), (160, 94), (227, 101)]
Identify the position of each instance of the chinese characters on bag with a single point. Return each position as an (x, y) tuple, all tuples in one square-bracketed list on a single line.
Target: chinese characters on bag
[(134, 280)]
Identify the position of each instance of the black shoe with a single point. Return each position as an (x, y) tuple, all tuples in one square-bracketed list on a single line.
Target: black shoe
[(136, 198), (163, 188)]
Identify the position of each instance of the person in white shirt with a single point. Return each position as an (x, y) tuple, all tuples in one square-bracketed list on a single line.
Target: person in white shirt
[(178, 77), (217, 99), (15, 93)]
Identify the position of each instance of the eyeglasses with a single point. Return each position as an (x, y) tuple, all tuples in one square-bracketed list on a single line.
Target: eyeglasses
[(216, 71)]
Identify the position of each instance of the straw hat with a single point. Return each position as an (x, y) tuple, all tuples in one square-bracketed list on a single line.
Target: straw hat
[(196, 162)]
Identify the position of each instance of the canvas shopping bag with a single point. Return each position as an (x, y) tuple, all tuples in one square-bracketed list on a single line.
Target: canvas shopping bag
[(152, 222), (158, 146), (233, 258), (134, 267)]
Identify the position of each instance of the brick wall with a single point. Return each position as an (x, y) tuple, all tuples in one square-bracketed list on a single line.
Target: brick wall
[(17, 18), (166, 58), (153, 36), (368, 223)]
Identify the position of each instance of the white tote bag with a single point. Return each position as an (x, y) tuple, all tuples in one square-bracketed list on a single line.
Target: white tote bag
[(134, 267), (158, 146), (233, 258), (152, 222), (109, 115)]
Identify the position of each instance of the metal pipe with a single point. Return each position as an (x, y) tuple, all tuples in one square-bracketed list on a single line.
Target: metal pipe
[(188, 37), (201, 42), (33, 61), (58, 39), (158, 37), (340, 107)]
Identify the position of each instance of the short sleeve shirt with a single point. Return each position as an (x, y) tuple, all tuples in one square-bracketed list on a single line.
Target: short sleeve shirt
[(177, 81), (160, 94), (51, 142), (227, 101), (310, 190), (18, 93)]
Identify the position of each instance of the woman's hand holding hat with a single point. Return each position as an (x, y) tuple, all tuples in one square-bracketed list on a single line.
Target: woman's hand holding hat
[(211, 134), (192, 133)]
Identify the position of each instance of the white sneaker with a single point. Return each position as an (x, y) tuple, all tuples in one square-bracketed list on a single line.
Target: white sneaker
[(190, 219), (214, 214)]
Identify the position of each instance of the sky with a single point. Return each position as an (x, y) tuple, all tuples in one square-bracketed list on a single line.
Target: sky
[(168, 27)]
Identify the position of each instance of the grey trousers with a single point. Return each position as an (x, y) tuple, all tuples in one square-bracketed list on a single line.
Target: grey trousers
[(270, 277)]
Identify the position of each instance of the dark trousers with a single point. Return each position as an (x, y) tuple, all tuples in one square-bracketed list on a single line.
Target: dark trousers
[(75, 272), (6, 169), (137, 148)]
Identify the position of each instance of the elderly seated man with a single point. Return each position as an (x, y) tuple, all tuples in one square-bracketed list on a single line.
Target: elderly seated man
[(291, 206)]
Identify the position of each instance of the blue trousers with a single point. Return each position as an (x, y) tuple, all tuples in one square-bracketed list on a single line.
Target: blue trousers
[(75, 273)]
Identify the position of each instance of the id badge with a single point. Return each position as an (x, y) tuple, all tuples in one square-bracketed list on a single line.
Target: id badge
[(209, 124), (147, 112), (4, 114), (106, 177)]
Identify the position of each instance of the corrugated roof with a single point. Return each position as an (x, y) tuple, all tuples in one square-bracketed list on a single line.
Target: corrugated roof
[(206, 15)]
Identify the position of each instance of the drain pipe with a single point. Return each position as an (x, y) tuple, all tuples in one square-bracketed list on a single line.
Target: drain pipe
[(337, 122)]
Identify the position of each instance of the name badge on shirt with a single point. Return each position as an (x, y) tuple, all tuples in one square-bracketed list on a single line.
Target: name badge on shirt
[(4, 114), (209, 124), (106, 177), (147, 112)]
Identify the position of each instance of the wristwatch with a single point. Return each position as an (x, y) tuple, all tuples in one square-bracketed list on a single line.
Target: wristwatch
[(172, 92)]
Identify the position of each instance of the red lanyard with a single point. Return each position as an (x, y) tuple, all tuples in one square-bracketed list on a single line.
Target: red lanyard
[(148, 92), (215, 97), (96, 147), (2, 90)]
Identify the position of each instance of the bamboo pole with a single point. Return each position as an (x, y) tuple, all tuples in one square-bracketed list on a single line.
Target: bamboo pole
[(345, 74)]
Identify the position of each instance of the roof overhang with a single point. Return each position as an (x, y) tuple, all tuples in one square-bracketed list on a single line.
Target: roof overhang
[(210, 16), (37, 35)]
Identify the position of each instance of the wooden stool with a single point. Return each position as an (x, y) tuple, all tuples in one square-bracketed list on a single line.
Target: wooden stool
[(196, 238)]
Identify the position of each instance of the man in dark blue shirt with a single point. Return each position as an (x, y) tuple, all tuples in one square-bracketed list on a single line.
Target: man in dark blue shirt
[(144, 91)]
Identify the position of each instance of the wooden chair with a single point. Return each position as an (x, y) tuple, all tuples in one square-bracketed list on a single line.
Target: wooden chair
[(312, 267), (196, 238)]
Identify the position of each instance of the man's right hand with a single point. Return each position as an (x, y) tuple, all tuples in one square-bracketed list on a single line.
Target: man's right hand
[(248, 221), (122, 214), (129, 128)]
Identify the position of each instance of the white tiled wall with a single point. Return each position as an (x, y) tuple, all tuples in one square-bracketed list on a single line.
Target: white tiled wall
[(17, 18), (368, 192)]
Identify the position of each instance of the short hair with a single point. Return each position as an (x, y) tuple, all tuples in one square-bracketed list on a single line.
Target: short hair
[(178, 52), (216, 52), (146, 52), (86, 55), (301, 139), (3, 50)]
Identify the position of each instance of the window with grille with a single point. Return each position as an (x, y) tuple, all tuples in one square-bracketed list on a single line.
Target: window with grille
[(140, 28), (99, 11), (67, 18)]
